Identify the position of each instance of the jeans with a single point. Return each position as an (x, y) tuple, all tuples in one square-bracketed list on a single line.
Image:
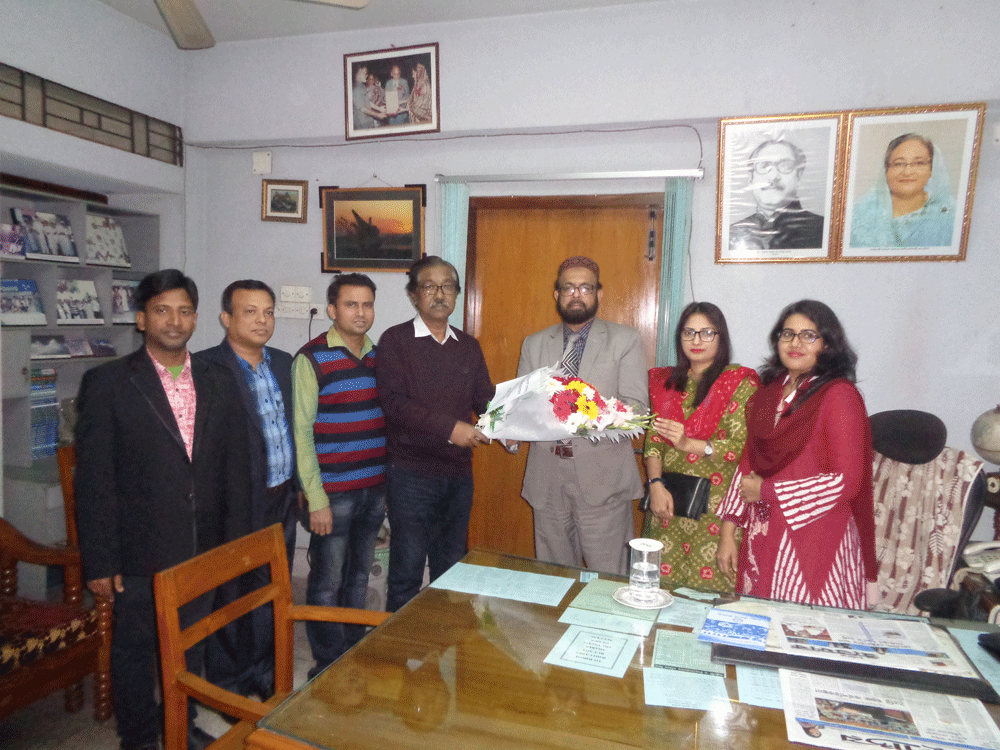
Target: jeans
[(339, 564), (428, 520)]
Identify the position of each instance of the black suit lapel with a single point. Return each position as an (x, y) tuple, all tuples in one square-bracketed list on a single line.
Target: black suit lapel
[(204, 388), (246, 398), (143, 376)]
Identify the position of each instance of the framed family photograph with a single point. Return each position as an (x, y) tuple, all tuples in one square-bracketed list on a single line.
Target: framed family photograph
[(284, 200), (391, 92), (373, 229), (911, 180), (778, 187)]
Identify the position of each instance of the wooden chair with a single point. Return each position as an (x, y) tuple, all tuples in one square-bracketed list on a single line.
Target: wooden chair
[(48, 646), (183, 583)]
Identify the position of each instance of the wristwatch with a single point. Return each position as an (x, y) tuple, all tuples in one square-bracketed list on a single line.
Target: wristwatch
[(709, 450), (655, 479)]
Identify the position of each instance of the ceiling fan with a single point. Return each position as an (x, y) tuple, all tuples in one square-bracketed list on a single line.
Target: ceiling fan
[(189, 30)]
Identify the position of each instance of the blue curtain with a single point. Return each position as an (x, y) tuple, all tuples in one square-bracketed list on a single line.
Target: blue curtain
[(677, 194), (455, 237)]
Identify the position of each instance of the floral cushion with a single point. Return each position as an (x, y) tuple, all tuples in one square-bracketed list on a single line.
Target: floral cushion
[(31, 630), (919, 511)]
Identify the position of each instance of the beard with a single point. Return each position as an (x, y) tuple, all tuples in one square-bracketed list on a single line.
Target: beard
[(577, 314)]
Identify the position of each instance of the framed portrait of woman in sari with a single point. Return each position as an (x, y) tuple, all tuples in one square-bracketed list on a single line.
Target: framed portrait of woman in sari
[(911, 181), (391, 92)]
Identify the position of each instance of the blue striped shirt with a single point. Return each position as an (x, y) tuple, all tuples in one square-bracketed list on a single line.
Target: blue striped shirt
[(271, 408)]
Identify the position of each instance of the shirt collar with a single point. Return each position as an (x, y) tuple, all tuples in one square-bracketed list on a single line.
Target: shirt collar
[(161, 370), (333, 340), (420, 329)]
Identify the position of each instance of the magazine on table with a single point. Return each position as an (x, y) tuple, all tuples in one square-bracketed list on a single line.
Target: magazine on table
[(106, 242), (840, 713), (77, 303), (46, 346), (20, 303)]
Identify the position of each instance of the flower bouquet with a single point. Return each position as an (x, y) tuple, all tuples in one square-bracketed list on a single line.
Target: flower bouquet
[(548, 405)]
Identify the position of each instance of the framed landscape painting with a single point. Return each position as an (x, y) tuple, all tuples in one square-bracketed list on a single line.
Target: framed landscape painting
[(374, 229)]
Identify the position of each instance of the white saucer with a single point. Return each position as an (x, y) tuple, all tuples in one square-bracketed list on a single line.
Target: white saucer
[(624, 596)]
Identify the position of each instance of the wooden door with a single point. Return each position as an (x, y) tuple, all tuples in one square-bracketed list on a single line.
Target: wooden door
[(516, 246)]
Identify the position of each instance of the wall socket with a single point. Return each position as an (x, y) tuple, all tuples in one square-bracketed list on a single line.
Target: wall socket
[(292, 310), (296, 294)]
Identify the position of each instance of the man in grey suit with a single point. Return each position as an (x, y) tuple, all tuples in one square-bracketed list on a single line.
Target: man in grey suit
[(582, 492)]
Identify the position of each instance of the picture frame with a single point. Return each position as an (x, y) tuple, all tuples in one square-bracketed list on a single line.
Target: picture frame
[(766, 215), (372, 229), (284, 200), (392, 92), (877, 224)]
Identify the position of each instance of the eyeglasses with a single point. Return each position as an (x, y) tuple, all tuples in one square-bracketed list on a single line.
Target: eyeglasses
[(705, 334), (449, 289), (806, 336), (785, 166), (568, 290), (915, 164)]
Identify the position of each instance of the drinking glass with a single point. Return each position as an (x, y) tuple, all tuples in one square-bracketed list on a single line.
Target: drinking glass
[(644, 570)]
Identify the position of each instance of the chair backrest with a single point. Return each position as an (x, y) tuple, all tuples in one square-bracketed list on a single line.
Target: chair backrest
[(184, 583), (922, 514)]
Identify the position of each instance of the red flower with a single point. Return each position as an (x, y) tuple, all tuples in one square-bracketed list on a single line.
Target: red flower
[(721, 434), (713, 529), (733, 406), (730, 456), (564, 404), (687, 548), (657, 439), (707, 573), (715, 479), (664, 523), (692, 457), (665, 569)]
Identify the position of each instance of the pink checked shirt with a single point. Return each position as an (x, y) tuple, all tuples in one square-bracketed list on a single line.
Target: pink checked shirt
[(181, 396)]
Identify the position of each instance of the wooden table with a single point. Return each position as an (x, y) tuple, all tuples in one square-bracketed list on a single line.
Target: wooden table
[(443, 673)]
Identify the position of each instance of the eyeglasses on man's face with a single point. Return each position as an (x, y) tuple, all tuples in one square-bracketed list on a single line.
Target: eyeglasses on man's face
[(705, 334), (449, 289), (784, 166), (585, 290), (806, 335)]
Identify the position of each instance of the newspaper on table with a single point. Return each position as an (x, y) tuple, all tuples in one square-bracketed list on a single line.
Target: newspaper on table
[(839, 713), (908, 644)]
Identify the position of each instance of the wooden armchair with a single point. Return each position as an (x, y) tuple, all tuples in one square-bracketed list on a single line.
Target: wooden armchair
[(185, 582), (47, 646)]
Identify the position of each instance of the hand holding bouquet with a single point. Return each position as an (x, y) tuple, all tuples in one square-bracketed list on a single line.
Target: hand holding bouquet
[(548, 405)]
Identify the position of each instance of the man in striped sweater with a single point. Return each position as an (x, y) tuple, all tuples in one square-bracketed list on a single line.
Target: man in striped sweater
[(340, 445)]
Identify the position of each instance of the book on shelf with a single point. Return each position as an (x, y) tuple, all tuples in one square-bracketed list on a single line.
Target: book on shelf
[(47, 236), (11, 241), (77, 303), (123, 300), (44, 412), (46, 346), (102, 348), (20, 303), (78, 347), (106, 242)]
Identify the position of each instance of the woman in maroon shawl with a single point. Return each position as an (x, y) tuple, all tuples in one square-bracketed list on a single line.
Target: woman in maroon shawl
[(420, 97), (803, 490)]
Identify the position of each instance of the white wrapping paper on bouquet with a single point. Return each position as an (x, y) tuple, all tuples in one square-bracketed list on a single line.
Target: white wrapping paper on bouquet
[(548, 405)]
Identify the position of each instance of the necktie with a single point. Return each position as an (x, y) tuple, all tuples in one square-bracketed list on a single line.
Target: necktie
[(572, 354)]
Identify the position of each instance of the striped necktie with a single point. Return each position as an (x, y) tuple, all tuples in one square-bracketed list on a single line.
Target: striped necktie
[(571, 355)]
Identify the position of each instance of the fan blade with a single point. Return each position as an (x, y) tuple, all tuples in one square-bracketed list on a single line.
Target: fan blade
[(186, 25), (358, 4)]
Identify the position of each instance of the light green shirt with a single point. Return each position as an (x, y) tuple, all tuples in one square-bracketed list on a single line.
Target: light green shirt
[(305, 406)]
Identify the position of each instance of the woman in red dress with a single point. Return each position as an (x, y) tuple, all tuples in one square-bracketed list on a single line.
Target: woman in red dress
[(803, 490)]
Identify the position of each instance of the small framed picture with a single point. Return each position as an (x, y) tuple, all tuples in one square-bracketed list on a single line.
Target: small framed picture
[(911, 180), (373, 229), (284, 200), (777, 188), (391, 92)]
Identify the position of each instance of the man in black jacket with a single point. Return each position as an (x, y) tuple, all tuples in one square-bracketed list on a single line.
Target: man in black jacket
[(162, 475), (241, 657)]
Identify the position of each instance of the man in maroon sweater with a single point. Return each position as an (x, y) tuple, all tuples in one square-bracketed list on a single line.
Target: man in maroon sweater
[(432, 383)]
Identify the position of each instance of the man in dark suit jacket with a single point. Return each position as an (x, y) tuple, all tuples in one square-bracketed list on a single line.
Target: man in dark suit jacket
[(162, 475), (241, 657)]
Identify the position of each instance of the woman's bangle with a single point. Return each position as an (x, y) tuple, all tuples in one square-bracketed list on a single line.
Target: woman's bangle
[(655, 479)]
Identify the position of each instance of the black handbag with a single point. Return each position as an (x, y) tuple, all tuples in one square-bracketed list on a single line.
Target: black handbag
[(690, 494)]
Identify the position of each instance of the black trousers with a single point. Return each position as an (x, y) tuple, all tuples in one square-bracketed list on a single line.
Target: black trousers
[(135, 657)]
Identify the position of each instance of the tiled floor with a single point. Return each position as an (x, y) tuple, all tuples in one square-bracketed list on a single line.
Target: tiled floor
[(45, 725)]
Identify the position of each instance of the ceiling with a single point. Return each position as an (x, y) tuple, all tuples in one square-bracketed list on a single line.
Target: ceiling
[(241, 20)]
